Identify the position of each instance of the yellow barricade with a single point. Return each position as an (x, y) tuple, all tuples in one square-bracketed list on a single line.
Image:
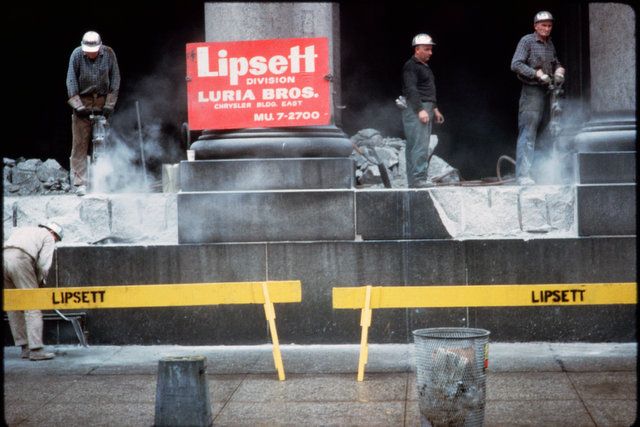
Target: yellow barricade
[(170, 295), (367, 298)]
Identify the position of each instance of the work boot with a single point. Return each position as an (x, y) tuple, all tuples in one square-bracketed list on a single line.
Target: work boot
[(81, 190), (25, 352), (40, 354)]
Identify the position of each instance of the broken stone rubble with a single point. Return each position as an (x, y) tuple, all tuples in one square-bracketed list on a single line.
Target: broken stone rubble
[(23, 177), (370, 145)]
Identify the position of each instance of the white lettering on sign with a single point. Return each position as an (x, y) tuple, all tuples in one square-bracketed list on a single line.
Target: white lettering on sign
[(257, 65), (288, 93), (226, 95)]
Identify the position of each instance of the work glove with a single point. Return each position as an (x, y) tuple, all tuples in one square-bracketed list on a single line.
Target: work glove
[(110, 104), (558, 76), (82, 111), (544, 78), (111, 100), (78, 107), (75, 102)]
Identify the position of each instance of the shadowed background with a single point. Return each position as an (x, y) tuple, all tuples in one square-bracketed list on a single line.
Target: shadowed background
[(477, 92)]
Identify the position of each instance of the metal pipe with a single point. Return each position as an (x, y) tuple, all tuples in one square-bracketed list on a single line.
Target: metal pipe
[(144, 166)]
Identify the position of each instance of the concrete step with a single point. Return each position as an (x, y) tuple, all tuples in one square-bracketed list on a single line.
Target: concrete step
[(606, 209), (256, 216), (606, 167), (343, 214), (267, 174)]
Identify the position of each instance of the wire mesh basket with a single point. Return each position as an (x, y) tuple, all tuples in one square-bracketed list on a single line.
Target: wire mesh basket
[(451, 368)]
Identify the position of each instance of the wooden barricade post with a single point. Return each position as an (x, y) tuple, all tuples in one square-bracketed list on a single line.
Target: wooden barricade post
[(366, 298), (164, 295)]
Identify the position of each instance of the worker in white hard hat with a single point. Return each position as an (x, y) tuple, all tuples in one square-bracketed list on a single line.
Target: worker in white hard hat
[(536, 64), (419, 89), (27, 257), (93, 82)]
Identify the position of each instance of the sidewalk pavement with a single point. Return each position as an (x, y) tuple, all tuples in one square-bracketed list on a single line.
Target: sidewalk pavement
[(567, 384)]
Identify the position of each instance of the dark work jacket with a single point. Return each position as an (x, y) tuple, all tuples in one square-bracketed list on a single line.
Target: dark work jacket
[(418, 84)]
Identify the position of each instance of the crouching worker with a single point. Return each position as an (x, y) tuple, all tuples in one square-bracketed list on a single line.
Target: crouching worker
[(27, 258)]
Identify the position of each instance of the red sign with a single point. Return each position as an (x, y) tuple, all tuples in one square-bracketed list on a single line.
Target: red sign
[(258, 83)]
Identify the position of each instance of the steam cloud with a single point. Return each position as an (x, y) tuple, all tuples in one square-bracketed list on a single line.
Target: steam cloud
[(553, 163), (161, 98)]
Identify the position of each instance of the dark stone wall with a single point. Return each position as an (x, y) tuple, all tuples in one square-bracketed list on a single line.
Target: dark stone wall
[(324, 265)]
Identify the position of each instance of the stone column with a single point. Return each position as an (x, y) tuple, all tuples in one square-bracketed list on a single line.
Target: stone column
[(612, 53), (255, 21), (605, 165)]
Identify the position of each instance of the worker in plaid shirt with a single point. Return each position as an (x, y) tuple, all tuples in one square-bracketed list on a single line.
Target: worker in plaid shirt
[(536, 64), (93, 81)]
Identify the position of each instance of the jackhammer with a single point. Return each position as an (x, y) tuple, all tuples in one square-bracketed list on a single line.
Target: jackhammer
[(99, 131), (558, 147), (556, 91), (99, 134)]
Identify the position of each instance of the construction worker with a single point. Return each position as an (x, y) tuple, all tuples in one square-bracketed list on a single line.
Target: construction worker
[(419, 89), (536, 64), (27, 256), (93, 81)]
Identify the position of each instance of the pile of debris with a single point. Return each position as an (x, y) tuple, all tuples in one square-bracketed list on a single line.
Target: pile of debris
[(371, 151), (23, 177)]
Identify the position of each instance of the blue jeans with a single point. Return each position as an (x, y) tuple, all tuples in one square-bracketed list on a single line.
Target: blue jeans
[(533, 101), (417, 149)]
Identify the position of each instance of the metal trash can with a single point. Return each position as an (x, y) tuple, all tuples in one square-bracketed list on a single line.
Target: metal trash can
[(451, 368)]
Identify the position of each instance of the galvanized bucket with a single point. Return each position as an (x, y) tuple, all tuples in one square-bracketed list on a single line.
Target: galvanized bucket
[(451, 368)]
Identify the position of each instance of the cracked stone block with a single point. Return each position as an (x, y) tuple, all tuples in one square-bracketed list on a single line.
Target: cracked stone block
[(95, 213), (477, 218), (128, 213), (169, 234), (503, 203), (63, 206), (138, 216), (31, 210), (561, 207), (448, 202), (533, 210), (75, 231)]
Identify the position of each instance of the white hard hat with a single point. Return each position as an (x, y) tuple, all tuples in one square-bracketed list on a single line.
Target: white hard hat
[(91, 42), (542, 16), (54, 227), (422, 39)]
